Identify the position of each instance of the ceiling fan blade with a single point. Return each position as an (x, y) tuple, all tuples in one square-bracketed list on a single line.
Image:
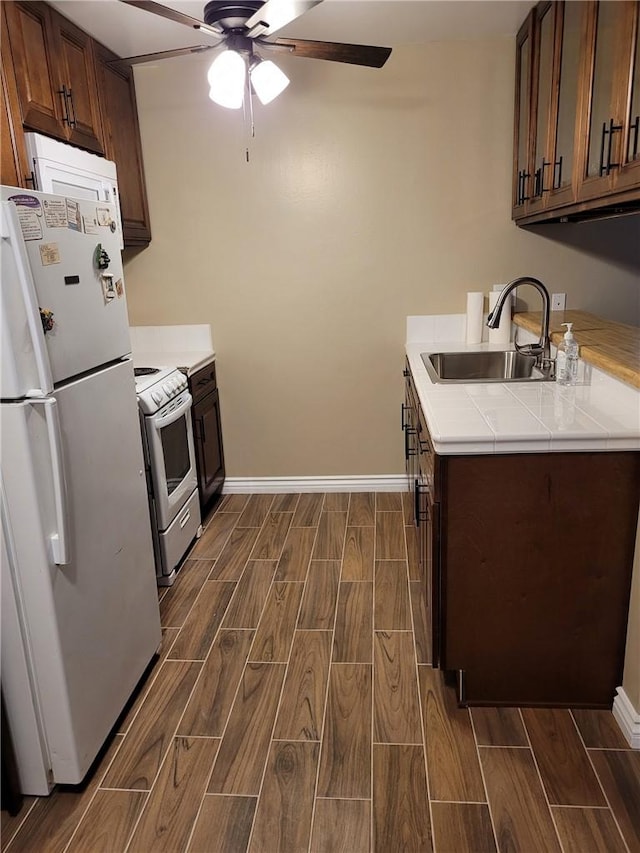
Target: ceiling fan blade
[(173, 15), (275, 14), (162, 54), (354, 54)]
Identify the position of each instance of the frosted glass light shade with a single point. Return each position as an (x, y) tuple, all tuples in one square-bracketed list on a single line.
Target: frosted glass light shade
[(268, 80), (226, 78)]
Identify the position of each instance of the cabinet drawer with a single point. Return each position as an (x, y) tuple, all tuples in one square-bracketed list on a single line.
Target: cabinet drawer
[(203, 382)]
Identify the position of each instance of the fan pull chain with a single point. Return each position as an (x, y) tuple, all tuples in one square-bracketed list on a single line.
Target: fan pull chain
[(248, 117)]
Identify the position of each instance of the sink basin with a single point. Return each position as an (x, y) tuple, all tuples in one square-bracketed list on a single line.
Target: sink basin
[(464, 367)]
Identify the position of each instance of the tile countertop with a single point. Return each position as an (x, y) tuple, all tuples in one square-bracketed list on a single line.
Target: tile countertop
[(610, 346), (187, 347), (599, 414)]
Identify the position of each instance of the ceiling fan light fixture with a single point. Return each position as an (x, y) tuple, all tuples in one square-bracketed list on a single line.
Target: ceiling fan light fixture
[(226, 78), (268, 80)]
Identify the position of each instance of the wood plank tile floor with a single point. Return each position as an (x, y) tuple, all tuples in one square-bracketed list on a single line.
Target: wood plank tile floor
[(293, 708)]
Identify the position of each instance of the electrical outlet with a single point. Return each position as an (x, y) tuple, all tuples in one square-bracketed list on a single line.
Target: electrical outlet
[(558, 301)]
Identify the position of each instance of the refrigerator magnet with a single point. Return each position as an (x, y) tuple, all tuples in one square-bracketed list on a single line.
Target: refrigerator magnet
[(119, 288), (49, 254), (29, 213), (108, 287), (55, 213), (90, 225), (73, 215), (103, 215)]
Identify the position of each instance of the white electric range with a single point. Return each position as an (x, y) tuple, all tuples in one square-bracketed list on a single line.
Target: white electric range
[(164, 405)]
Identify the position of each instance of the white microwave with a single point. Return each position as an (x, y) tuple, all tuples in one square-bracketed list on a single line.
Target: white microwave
[(64, 170)]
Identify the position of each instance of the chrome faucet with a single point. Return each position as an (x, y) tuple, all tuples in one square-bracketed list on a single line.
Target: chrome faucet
[(542, 350)]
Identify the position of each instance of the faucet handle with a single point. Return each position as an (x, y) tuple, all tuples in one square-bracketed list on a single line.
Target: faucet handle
[(529, 349)]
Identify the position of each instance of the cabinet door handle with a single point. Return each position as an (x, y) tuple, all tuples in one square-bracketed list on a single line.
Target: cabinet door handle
[(541, 187), (635, 127), (72, 111), (605, 168), (557, 165), (421, 514), (65, 106), (613, 128), (524, 175), (408, 450), (405, 423)]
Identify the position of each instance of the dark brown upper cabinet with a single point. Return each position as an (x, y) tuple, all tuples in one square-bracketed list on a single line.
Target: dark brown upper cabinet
[(122, 143), (60, 82), (581, 91), (13, 156), (521, 135), (53, 62), (611, 161)]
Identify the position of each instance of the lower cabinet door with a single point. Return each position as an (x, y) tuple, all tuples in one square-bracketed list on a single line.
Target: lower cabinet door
[(209, 450)]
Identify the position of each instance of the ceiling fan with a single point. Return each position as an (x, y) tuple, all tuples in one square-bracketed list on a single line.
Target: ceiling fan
[(242, 26)]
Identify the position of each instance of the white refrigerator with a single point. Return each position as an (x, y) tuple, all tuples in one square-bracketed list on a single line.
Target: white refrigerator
[(80, 616)]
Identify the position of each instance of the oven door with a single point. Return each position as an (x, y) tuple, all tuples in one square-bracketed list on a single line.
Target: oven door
[(172, 458)]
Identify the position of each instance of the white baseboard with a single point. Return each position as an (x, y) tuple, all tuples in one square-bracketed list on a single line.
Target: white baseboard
[(285, 485), (627, 718)]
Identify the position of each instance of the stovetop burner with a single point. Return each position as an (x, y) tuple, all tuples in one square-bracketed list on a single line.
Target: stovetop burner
[(145, 371)]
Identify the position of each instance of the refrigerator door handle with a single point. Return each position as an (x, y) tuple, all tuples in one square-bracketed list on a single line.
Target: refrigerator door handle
[(11, 232), (60, 539)]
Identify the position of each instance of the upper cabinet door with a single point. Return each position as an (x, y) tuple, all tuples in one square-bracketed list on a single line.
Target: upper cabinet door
[(569, 23), (522, 139), (54, 68), (629, 171), (544, 40), (74, 49), (610, 35), (33, 57), (122, 144), (14, 171)]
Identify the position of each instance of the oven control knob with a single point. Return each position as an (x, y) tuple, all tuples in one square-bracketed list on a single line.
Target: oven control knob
[(157, 397), (166, 388)]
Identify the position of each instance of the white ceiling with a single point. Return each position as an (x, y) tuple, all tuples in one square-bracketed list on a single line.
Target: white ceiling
[(130, 31)]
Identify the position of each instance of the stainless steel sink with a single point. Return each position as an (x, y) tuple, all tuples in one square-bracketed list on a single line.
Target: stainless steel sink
[(464, 367)]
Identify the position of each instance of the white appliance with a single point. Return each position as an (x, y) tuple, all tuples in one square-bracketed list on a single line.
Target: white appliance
[(167, 436), (80, 616), (65, 170)]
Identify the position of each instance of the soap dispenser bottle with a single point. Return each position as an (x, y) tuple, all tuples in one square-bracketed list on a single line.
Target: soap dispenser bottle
[(567, 358)]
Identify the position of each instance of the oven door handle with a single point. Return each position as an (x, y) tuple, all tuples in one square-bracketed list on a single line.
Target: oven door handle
[(175, 415)]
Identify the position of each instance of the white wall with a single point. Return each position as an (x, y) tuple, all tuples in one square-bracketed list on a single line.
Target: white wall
[(369, 195)]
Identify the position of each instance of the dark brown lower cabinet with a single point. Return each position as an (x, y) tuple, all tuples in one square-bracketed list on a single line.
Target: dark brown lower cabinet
[(527, 562), (207, 433)]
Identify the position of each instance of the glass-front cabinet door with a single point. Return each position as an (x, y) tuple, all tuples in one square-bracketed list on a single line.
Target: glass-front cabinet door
[(564, 107), (610, 41), (521, 143), (544, 35), (629, 172)]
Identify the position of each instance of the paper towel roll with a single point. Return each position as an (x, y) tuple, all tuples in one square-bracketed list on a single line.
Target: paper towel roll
[(475, 306), (501, 334)]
